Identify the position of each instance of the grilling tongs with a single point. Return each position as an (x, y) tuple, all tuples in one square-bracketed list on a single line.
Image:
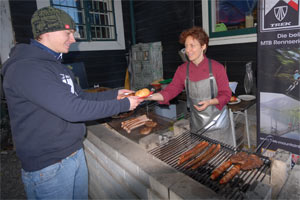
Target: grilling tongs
[(207, 126)]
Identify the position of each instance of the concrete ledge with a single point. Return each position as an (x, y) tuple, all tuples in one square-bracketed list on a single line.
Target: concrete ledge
[(291, 189), (135, 172), (280, 167)]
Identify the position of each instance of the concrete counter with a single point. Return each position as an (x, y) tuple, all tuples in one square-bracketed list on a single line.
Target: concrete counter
[(122, 169)]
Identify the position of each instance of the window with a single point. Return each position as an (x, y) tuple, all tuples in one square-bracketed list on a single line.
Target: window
[(230, 21), (94, 19), (99, 23)]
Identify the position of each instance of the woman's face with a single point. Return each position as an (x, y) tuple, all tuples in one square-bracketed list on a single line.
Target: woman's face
[(194, 50)]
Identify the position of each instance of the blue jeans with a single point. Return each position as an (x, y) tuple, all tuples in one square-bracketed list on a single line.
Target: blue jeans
[(67, 179)]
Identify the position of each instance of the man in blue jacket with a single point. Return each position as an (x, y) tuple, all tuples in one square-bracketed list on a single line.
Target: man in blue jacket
[(47, 109)]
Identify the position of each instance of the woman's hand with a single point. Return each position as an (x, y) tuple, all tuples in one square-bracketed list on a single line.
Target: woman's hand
[(155, 97), (122, 92), (202, 105)]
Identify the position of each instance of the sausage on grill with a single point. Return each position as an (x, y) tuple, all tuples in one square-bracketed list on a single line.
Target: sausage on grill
[(232, 172), (134, 120), (208, 157), (218, 171), (193, 152), (133, 123), (206, 153)]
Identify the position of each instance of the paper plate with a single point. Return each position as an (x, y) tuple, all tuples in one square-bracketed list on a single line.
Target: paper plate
[(247, 97), (147, 95), (234, 102)]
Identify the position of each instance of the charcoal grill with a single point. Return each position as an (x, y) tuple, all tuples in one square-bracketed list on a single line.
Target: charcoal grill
[(234, 189)]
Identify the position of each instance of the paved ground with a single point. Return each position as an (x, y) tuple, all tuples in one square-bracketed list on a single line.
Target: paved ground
[(11, 183)]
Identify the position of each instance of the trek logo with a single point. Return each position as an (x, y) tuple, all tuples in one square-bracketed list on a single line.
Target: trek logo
[(279, 14), (67, 79)]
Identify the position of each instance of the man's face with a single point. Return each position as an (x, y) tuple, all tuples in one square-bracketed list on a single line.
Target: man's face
[(59, 41)]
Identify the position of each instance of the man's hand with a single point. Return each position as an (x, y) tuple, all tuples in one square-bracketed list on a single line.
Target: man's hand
[(123, 93), (134, 101)]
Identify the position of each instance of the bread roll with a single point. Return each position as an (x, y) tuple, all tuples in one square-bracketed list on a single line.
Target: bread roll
[(142, 92)]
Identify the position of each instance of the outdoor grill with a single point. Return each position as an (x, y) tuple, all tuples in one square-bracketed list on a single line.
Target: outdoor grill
[(169, 148), (234, 189), (150, 163)]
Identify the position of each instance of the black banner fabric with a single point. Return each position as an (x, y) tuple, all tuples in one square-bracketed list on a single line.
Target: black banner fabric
[(278, 75)]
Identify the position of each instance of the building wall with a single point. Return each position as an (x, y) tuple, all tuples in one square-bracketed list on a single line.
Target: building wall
[(164, 20), (6, 36), (154, 21), (21, 12), (235, 57)]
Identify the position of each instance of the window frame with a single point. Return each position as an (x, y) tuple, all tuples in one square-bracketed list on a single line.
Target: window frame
[(117, 44), (232, 39)]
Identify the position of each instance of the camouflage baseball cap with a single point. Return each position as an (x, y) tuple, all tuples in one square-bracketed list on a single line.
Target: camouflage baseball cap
[(50, 19)]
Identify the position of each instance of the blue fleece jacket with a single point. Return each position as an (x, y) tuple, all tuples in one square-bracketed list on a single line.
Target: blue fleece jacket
[(47, 108)]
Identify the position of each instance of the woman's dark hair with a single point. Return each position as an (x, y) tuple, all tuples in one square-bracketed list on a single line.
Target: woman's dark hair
[(197, 33)]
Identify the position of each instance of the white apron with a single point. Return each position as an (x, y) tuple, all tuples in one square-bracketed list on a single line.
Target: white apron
[(200, 91)]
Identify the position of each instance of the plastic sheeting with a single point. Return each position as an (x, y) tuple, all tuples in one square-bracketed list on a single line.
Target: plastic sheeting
[(145, 64)]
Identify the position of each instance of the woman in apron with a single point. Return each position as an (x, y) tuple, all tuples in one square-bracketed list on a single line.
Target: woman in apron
[(205, 81)]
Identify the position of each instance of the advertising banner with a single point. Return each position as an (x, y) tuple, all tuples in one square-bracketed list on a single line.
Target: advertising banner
[(278, 75)]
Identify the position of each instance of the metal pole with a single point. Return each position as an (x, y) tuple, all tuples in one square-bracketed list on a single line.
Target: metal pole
[(132, 22)]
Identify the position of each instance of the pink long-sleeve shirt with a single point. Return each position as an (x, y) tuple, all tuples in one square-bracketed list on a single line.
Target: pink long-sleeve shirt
[(197, 73)]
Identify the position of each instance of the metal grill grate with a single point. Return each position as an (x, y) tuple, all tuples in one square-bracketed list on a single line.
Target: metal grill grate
[(234, 189)]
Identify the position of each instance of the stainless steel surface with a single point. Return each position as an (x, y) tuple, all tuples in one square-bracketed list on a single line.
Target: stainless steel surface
[(234, 189), (146, 108)]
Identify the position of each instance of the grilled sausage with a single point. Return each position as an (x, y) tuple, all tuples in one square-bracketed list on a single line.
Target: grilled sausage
[(133, 120), (133, 123), (193, 152), (218, 171), (232, 172), (133, 126), (206, 153), (128, 121), (208, 157)]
